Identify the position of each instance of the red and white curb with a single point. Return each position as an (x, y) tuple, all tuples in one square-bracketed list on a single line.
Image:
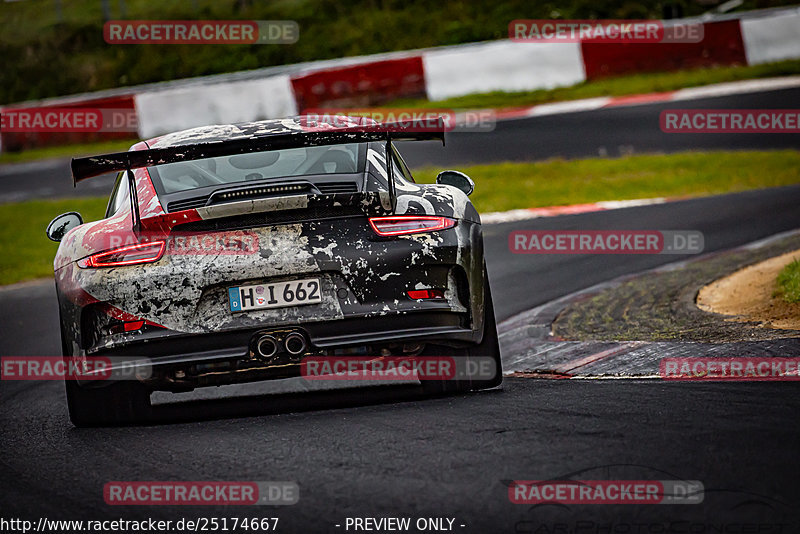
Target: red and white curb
[(530, 350), (497, 217), (692, 93)]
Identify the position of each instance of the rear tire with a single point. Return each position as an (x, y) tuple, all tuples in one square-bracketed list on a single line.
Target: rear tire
[(118, 403), (489, 347), (114, 404)]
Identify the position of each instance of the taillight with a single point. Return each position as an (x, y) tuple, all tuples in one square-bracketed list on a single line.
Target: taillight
[(130, 326), (411, 224), (133, 325), (130, 255), (426, 294)]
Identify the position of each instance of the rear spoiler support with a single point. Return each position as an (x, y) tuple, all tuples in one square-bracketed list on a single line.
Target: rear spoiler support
[(134, 196), (389, 175)]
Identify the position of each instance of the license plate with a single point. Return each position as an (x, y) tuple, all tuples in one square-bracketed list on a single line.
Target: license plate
[(277, 295)]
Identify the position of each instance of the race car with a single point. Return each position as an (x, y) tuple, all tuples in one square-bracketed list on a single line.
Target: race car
[(230, 253)]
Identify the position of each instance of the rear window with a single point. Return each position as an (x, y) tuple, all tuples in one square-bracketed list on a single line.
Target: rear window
[(258, 166)]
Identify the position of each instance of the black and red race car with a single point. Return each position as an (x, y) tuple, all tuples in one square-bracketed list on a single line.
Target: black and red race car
[(229, 253)]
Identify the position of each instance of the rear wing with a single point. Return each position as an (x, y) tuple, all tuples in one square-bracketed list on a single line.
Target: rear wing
[(83, 168)]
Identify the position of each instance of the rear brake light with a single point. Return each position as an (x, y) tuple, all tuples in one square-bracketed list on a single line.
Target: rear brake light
[(133, 325), (411, 224), (426, 294), (130, 255), (130, 326)]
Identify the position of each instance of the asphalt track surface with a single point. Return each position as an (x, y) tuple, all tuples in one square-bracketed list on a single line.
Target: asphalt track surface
[(387, 451)]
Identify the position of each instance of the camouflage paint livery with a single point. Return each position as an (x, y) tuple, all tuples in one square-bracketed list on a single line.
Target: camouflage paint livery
[(183, 297)]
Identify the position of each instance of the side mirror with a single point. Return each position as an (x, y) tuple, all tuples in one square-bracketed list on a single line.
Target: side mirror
[(62, 224), (457, 179)]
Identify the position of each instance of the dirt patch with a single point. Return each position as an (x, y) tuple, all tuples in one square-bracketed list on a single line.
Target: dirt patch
[(747, 295)]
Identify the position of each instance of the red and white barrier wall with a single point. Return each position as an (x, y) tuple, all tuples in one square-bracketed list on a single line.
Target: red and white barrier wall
[(768, 39), (364, 84), (14, 141), (184, 107), (501, 66), (721, 45), (754, 38)]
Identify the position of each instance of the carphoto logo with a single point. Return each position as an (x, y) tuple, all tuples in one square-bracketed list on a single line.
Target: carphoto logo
[(201, 493), (603, 31), (68, 120), (201, 32), (397, 368), (74, 368), (403, 119), (605, 242), (606, 491), (736, 369), (730, 120)]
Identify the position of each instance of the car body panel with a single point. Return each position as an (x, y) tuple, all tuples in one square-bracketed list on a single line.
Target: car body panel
[(183, 297)]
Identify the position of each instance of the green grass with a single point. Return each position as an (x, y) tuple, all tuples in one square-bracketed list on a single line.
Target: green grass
[(26, 253), (25, 250), (789, 282), (67, 151), (618, 86), (505, 186)]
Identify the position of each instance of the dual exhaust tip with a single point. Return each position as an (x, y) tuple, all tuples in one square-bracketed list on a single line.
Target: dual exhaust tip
[(268, 345)]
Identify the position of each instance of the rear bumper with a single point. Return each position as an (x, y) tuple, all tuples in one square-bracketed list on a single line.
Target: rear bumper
[(161, 354)]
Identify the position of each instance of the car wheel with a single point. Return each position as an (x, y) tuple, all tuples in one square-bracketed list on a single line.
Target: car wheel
[(115, 404), (118, 403), (489, 347)]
